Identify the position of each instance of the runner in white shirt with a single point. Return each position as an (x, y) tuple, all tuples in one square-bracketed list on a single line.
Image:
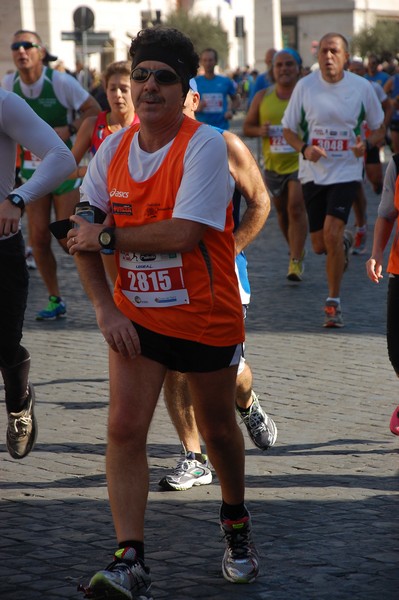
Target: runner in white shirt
[(323, 122), (19, 124)]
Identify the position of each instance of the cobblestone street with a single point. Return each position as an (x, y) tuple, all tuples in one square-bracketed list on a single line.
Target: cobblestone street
[(323, 500)]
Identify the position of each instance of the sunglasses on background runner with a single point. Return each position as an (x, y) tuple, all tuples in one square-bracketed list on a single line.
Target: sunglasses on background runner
[(162, 76), (24, 45)]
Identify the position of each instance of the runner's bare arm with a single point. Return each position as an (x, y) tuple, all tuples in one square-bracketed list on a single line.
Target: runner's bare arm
[(249, 181), (312, 153)]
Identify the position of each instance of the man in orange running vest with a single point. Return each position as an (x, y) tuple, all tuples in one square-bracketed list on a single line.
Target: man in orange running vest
[(176, 303)]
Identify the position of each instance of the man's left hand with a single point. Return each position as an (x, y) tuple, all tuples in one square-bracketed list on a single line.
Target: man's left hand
[(84, 238)]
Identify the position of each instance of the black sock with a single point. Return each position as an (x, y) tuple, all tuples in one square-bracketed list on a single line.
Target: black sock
[(243, 411), (233, 512), (138, 546)]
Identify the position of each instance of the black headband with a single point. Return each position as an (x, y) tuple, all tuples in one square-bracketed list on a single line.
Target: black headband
[(168, 56)]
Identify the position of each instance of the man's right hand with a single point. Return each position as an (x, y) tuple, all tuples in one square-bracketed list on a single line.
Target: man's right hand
[(374, 269), (119, 332)]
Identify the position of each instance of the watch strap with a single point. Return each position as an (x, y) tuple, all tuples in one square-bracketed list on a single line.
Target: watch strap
[(303, 150)]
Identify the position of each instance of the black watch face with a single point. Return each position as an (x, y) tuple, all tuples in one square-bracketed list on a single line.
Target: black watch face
[(16, 200), (105, 238)]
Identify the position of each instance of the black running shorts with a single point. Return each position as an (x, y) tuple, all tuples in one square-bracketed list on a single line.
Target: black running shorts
[(186, 356), (334, 200)]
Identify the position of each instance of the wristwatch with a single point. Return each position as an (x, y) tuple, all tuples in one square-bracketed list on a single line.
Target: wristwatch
[(107, 238), (72, 129), (17, 201), (303, 150)]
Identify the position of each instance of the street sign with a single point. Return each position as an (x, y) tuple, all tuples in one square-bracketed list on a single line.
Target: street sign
[(93, 38), (68, 36), (83, 18), (97, 37)]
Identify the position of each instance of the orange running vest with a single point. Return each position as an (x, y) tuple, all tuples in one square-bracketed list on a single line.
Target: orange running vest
[(193, 295)]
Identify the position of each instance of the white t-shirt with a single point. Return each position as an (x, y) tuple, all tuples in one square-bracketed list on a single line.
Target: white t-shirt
[(206, 187), (330, 115), (20, 124), (67, 89)]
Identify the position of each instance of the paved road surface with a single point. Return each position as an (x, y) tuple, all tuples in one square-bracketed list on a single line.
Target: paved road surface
[(324, 499)]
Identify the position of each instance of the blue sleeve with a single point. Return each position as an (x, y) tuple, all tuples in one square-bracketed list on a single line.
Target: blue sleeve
[(261, 83), (232, 88)]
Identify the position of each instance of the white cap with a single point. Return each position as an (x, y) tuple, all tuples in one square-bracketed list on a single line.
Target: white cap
[(193, 85)]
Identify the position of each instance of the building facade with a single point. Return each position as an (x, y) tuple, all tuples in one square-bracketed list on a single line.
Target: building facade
[(252, 26), (305, 21)]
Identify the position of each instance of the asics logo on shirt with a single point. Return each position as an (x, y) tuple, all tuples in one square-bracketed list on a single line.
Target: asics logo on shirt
[(118, 194)]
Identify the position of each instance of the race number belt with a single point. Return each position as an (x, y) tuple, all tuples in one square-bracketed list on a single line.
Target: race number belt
[(278, 144), (152, 280), (214, 103), (334, 141), (331, 144)]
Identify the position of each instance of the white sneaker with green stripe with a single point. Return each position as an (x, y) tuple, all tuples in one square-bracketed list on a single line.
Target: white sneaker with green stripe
[(188, 472)]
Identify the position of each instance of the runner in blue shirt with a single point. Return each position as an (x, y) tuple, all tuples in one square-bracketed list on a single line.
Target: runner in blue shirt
[(215, 91), (373, 74)]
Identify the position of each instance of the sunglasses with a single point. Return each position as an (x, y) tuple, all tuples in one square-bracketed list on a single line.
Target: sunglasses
[(24, 45), (161, 76)]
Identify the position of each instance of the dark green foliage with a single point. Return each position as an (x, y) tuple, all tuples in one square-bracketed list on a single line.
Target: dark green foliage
[(382, 40), (203, 31)]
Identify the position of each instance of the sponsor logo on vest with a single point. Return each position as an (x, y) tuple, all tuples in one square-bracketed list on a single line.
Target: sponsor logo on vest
[(118, 194), (166, 300), (47, 102), (121, 209), (151, 212), (144, 257)]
